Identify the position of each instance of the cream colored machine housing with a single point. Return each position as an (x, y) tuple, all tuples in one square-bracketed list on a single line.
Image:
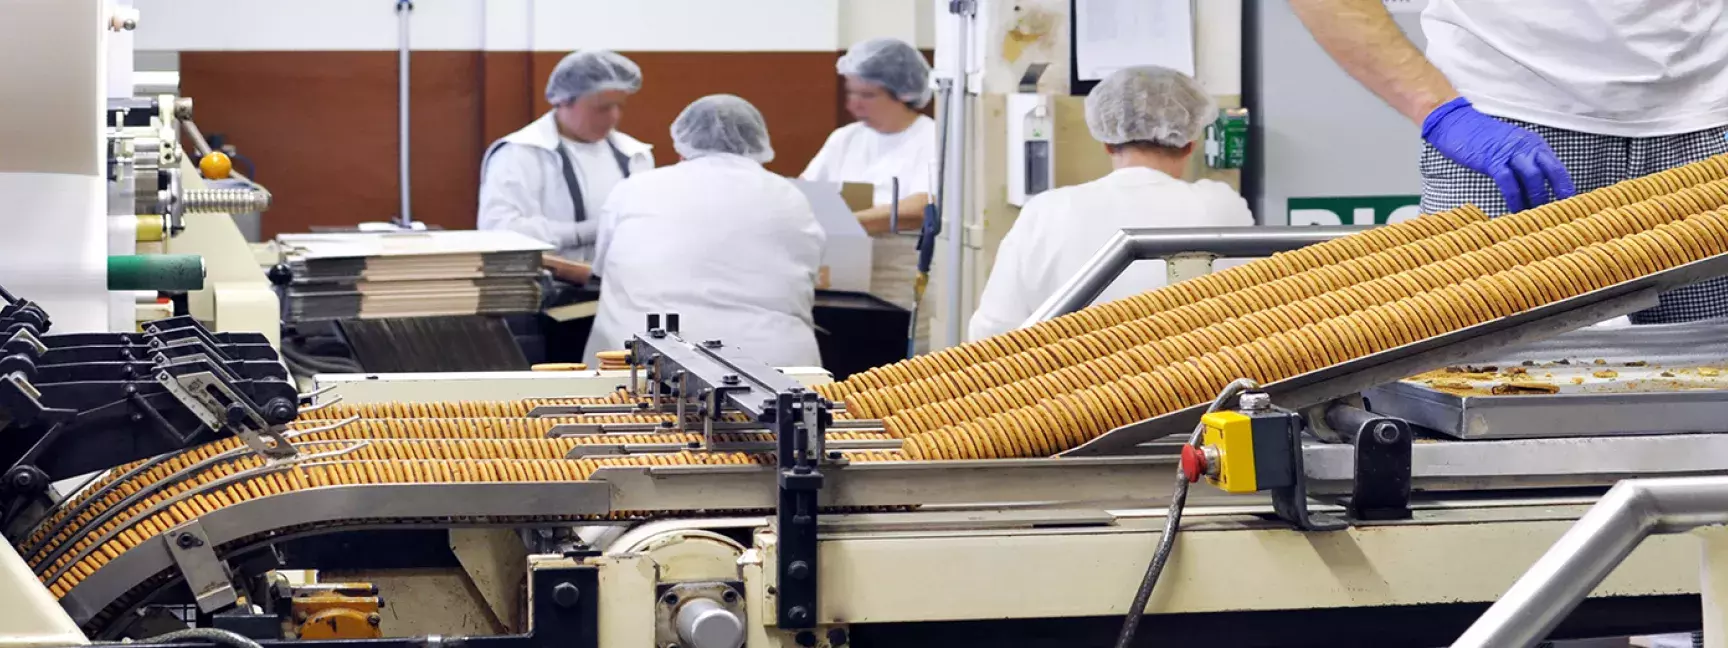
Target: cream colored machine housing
[(1066, 563), (236, 295)]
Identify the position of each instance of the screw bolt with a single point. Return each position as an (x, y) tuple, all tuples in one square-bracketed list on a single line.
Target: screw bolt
[(729, 596), (373, 619), (669, 599), (566, 594), (798, 570), (729, 379), (837, 637), (188, 541), (807, 639), (1386, 433)]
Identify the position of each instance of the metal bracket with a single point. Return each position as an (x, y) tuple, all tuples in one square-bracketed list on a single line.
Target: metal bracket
[(800, 483), (211, 583), (217, 405), (1291, 502), (1381, 489)]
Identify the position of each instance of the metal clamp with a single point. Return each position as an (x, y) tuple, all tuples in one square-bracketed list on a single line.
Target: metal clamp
[(1381, 489), (211, 583), (219, 406)]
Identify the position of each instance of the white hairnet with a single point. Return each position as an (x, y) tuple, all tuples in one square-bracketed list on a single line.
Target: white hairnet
[(1149, 104), (892, 64), (583, 73), (721, 124)]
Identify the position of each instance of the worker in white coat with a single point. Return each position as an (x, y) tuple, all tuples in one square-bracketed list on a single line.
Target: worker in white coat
[(887, 84), (730, 247), (1147, 118), (1524, 102), (550, 179)]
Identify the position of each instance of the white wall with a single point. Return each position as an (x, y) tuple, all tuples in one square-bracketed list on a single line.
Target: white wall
[(542, 25), (908, 20)]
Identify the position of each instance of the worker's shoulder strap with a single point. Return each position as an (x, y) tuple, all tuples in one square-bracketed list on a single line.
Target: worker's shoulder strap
[(623, 160), (568, 167)]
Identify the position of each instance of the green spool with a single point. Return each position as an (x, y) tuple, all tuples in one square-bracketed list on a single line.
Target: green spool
[(156, 272)]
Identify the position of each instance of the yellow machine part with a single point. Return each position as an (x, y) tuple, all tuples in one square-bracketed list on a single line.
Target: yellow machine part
[(1231, 434), (341, 623)]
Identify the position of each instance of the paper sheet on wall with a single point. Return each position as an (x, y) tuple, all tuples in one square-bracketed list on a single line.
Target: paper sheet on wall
[(1113, 34)]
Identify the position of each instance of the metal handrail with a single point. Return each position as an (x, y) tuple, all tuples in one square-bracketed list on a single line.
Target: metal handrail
[(1148, 243), (1631, 511)]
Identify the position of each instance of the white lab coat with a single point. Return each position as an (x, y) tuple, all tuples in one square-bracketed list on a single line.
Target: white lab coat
[(855, 153), (730, 247), (1058, 231), (522, 188)]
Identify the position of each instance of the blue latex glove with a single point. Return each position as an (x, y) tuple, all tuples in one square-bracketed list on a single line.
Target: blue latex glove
[(1523, 166)]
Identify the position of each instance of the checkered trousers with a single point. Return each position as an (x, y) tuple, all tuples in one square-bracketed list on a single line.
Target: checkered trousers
[(1595, 161)]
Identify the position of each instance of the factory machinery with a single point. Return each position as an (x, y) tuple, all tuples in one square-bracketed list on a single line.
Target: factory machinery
[(1014, 491), (171, 215)]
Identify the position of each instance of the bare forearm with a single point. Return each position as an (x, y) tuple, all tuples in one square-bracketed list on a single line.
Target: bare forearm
[(567, 271), (876, 219), (1361, 36)]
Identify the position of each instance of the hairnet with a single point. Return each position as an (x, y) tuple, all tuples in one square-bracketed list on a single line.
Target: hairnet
[(892, 64), (583, 73), (721, 124), (1148, 104)]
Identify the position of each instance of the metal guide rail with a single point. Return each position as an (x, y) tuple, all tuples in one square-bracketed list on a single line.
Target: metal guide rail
[(716, 379)]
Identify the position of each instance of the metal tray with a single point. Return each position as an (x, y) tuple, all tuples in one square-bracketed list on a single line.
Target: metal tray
[(1355, 376), (1660, 379)]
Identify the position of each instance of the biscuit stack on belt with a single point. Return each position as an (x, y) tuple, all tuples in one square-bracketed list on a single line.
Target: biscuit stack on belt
[(89, 544), (961, 369), (1145, 304), (1422, 268), (1554, 253)]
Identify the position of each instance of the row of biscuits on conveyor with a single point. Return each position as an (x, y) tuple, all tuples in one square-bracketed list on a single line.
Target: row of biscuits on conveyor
[(138, 501), (1394, 274), (955, 365), (1065, 421), (521, 438)]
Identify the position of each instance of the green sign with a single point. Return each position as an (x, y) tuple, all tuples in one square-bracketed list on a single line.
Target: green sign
[(1353, 210)]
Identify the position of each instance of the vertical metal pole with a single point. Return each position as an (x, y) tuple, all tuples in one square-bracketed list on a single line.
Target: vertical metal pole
[(955, 181), (404, 12)]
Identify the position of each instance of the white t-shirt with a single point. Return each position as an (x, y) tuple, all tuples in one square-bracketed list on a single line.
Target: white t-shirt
[(597, 172), (856, 153), (1627, 68), (1060, 230)]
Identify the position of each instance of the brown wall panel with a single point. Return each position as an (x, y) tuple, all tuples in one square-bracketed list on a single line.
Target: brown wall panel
[(321, 126)]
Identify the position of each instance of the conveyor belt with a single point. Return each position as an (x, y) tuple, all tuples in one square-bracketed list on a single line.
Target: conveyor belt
[(1108, 365)]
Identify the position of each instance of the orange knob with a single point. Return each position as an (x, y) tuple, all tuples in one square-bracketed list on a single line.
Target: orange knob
[(215, 166)]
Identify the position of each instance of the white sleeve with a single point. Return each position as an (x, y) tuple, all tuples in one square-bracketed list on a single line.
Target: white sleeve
[(1011, 291), (606, 226), (818, 170), (510, 191)]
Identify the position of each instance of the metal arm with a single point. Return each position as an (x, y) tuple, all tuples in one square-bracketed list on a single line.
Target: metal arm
[(1577, 563), (1141, 244)]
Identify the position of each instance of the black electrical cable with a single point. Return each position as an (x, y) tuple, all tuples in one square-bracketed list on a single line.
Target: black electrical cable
[(318, 364), (212, 635), (1172, 523)]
